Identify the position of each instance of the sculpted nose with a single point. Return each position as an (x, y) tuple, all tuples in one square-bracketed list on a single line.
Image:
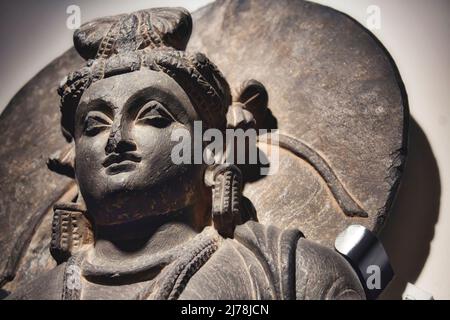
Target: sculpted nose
[(119, 142)]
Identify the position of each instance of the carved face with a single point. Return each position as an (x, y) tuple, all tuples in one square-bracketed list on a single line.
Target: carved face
[(123, 163)]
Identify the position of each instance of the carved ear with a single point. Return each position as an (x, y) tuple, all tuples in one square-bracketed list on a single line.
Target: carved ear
[(253, 95), (239, 117)]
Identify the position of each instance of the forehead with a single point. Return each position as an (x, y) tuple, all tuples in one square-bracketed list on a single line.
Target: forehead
[(118, 90)]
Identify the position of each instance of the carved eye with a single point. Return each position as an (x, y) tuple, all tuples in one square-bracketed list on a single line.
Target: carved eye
[(153, 113), (95, 122)]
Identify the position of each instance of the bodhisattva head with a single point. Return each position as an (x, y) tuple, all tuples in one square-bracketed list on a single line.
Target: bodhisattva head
[(122, 107), (123, 128)]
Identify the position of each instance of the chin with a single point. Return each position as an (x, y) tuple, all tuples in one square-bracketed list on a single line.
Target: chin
[(121, 181)]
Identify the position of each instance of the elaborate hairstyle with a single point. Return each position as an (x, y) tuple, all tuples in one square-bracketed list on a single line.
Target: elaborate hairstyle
[(154, 39)]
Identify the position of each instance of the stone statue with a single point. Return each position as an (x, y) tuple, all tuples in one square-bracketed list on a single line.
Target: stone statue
[(143, 227)]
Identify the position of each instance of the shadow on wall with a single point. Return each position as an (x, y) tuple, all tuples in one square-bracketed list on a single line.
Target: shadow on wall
[(410, 228)]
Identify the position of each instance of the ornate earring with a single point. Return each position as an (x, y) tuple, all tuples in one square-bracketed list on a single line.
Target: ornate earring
[(226, 183), (71, 230), (229, 206)]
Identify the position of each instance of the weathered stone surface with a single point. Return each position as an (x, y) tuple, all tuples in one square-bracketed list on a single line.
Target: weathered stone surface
[(30, 134), (36, 257), (331, 85)]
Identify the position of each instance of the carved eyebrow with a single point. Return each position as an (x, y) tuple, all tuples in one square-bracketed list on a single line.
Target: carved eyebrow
[(148, 107), (99, 105), (98, 115), (169, 101)]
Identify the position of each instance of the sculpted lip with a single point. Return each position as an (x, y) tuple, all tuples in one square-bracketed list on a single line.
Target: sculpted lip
[(119, 162), (123, 166)]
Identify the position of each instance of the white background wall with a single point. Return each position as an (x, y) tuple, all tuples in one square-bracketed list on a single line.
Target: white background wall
[(415, 32), (417, 35)]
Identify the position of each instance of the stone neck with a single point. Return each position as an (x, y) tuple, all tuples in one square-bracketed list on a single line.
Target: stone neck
[(150, 236)]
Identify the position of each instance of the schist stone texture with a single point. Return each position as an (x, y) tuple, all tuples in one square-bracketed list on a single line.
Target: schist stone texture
[(332, 85), (333, 89), (30, 134)]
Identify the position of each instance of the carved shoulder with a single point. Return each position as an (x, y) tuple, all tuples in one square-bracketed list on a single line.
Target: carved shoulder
[(321, 273)]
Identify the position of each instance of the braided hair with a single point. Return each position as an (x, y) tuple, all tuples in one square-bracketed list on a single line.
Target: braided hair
[(153, 39)]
